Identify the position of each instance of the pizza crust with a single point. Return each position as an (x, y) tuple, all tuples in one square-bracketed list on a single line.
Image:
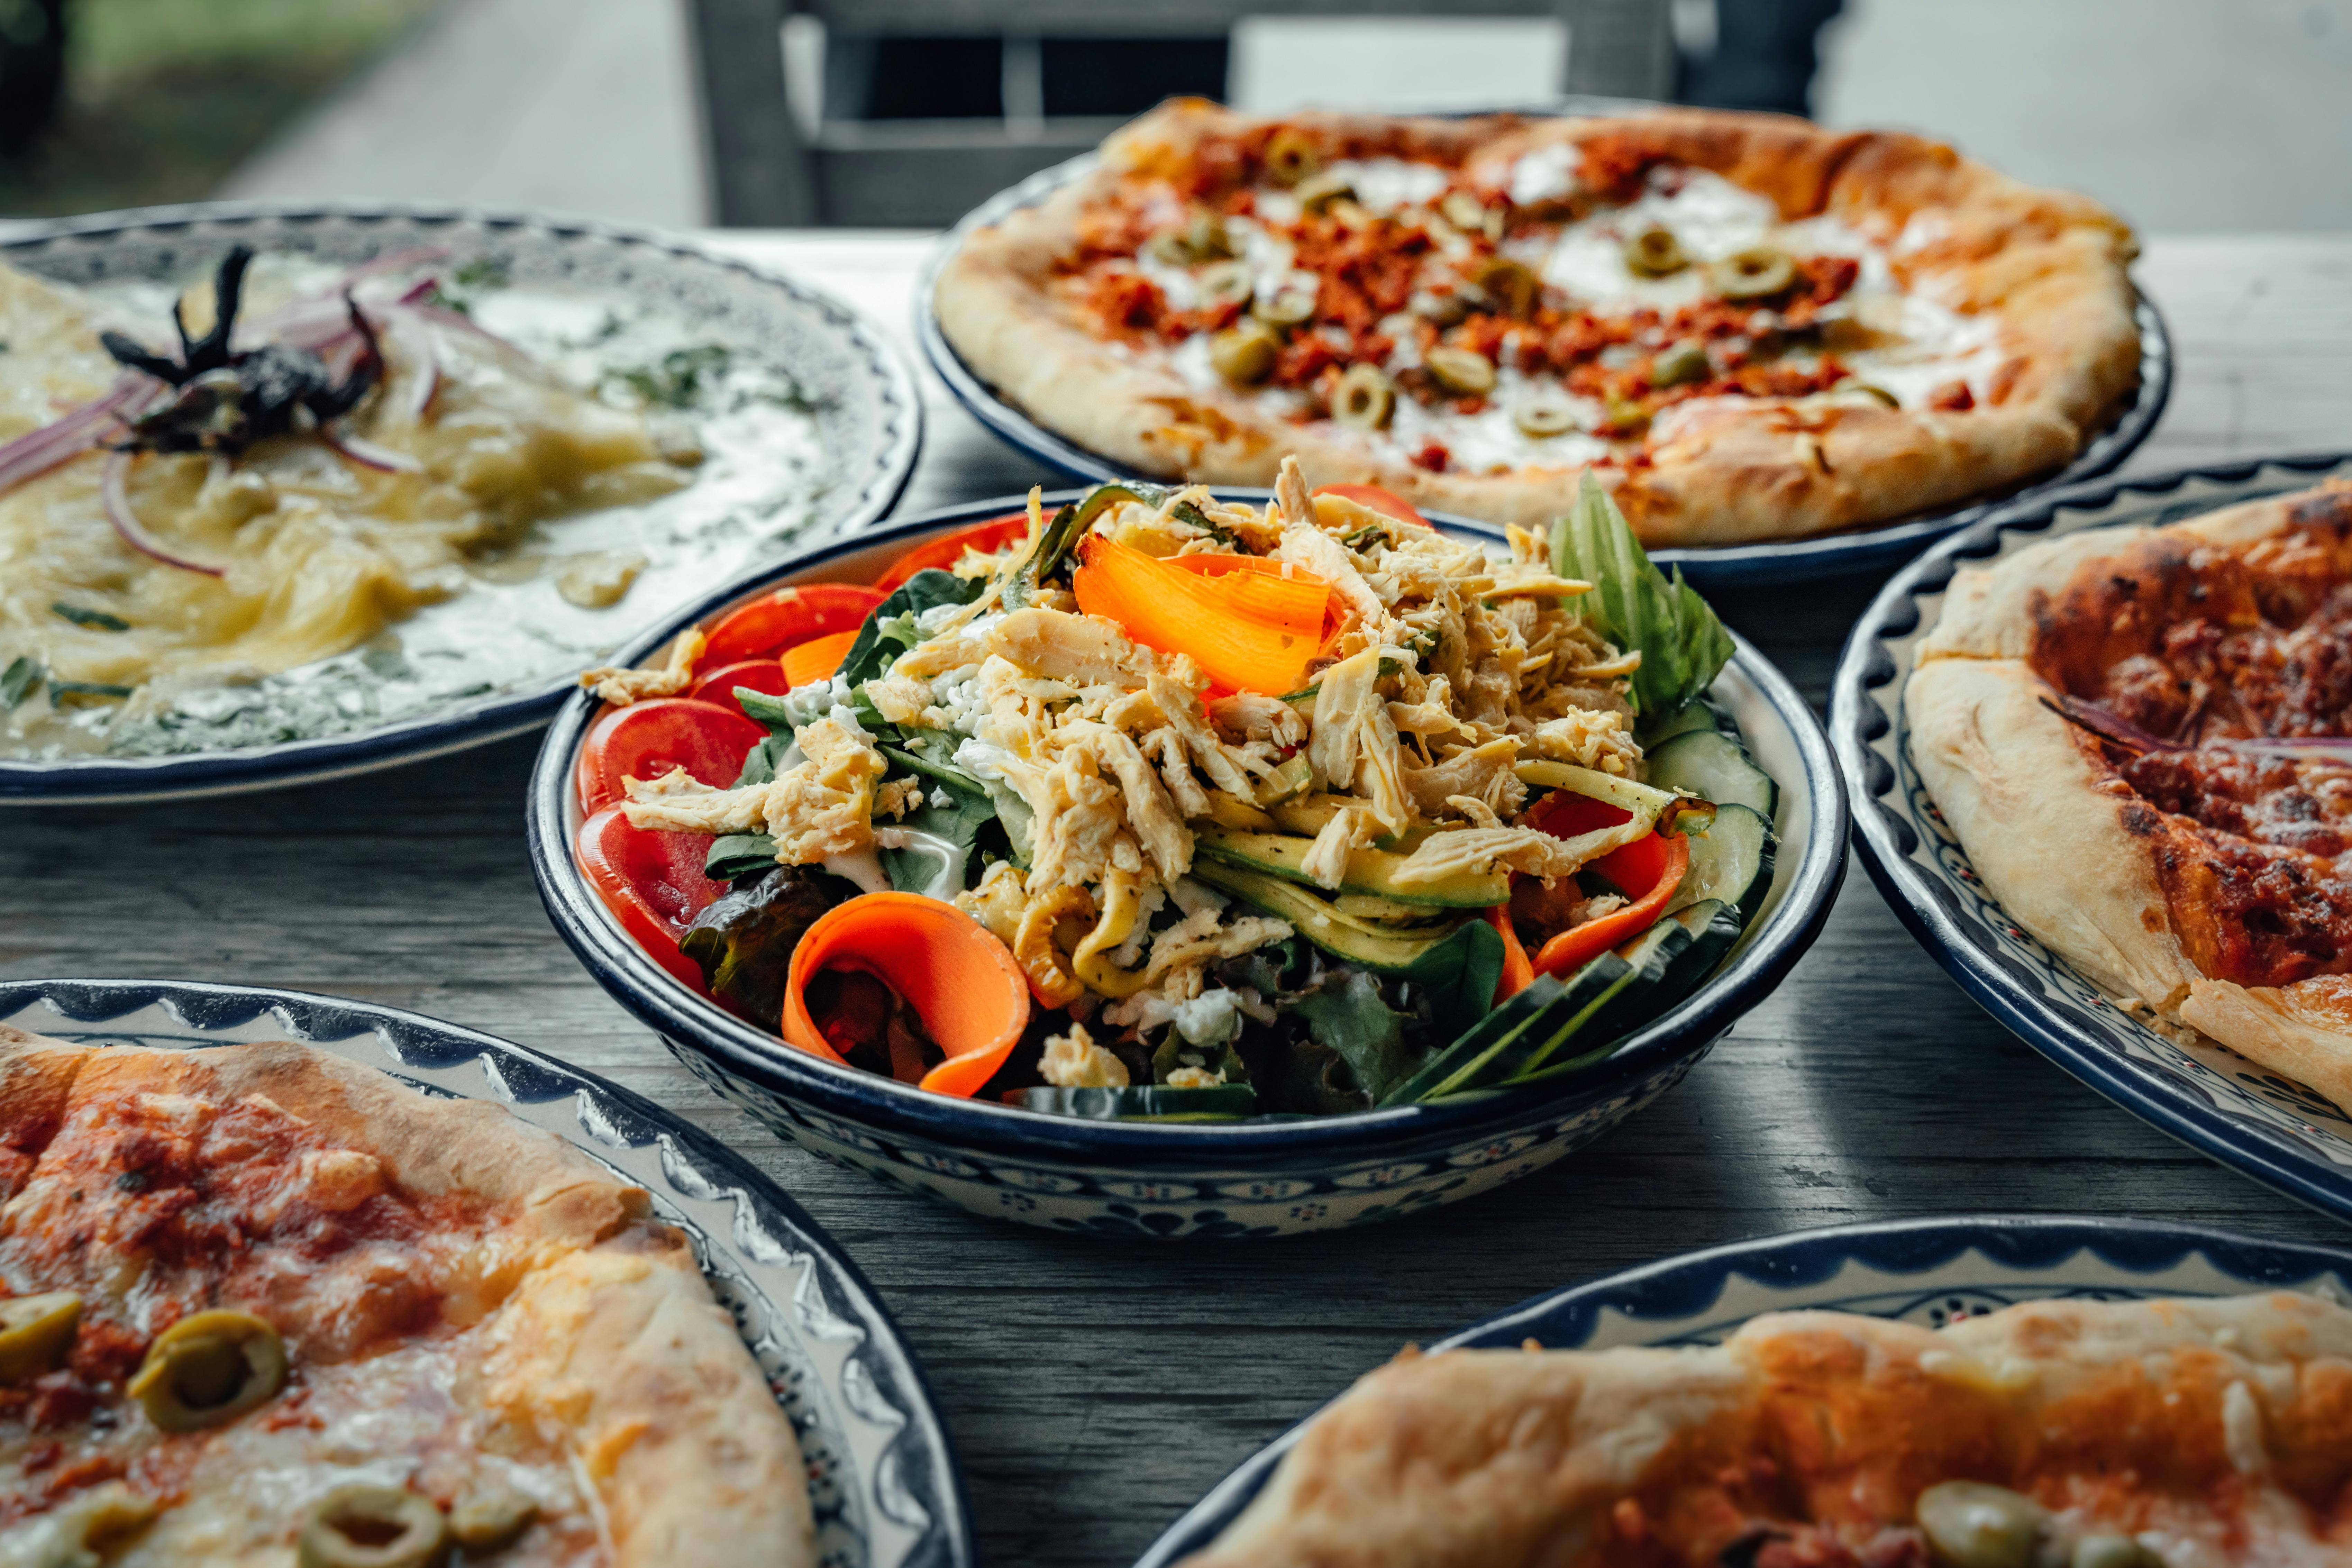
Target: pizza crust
[(1491, 1458), (2045, 829), (2052, 264), (600, 1324)]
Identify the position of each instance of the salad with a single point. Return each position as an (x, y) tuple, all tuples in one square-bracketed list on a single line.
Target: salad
[(1168, 806)]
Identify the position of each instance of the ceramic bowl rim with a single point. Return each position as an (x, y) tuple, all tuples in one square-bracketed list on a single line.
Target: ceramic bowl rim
[(641, 986)]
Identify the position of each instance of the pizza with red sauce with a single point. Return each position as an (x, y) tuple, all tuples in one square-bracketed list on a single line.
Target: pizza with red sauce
[(1747, 326), (2063, 1434), (2143, 737), (265, 1306)]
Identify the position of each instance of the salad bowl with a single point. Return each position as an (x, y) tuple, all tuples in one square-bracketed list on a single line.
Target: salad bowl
[(1263, 1177)]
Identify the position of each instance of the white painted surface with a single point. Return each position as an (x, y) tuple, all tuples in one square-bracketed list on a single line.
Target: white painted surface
[(581, 106), (1283, 63), (2187, 116)]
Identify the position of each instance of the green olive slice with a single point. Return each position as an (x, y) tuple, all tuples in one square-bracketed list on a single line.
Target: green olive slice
[(1513, 284), (210, 1368), (1292, 302), (1755, 273), (1973, 1524), (1465, 373), (35, 1332), (2110, 1549), (1290, 157), (1245, 353), (1542, 413), (1654, 253), (1871, 389), (1224, 283), (488, 1517), (1322, 190), (1463, 210), (364, 1526), (1364, 398), (1685, 362)]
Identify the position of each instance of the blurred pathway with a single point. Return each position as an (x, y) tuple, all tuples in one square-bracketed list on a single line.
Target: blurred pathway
[(576, 105)]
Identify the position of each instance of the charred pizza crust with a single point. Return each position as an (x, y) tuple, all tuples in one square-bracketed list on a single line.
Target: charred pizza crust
[(2072, 853), (2208, 1422), (2051, 266), (587, 1328)]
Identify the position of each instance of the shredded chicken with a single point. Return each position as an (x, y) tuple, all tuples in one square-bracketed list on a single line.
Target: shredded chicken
[(622, 687), (820, 806), (1074, 1061)]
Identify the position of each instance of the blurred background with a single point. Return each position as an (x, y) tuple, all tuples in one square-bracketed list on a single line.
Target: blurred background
[(2186, 115)]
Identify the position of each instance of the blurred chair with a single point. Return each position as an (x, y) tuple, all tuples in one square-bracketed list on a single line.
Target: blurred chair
[(765, 170)]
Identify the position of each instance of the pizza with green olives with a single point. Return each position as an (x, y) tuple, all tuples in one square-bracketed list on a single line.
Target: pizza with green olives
[(266, 1307), (1748, 327), (2052, 1433)]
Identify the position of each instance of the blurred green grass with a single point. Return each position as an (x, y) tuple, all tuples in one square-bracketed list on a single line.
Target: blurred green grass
[(165, 98)]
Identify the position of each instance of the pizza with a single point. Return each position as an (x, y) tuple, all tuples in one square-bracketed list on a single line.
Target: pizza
[(266, 1307), (2143, 738), (1749, 326), (2060, 1434)]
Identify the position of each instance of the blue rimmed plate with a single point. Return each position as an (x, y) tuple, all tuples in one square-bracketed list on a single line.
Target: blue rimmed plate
[(1724, 566), (1926, 1271), (881, 1473), (1138, 1180), (2272, 1128), (868, 422)]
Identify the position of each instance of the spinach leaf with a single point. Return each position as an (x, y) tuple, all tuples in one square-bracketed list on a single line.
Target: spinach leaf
[(96, 620), (959, 822), (889, 628), (773, 712), (1683, 644), (914, 762), (1347, 1014), (736, 855), (1456, 980), (18, 683)]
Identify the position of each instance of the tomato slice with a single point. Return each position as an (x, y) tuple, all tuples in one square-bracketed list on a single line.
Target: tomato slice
[(944, 553), (1384, 501), (653, 883), (807, 663), (774, 622), (645, 740), (760, 674)]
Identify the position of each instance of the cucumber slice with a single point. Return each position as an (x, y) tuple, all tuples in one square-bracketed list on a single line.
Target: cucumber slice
[(1714, 767), (1157, 1100), (1646, 960), (1498, 1027), (1583, 995), (1732, 861), (1696, 714), (1369, 870)]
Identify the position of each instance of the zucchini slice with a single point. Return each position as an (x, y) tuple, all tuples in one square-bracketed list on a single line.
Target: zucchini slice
[(1714, 767), (1315, 919), (1732, 861), (1489, 1033), (1283, 855), (1151, 1099)]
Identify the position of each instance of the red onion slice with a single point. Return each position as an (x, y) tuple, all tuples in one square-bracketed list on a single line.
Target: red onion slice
[(126, 522), (368, 454), (37, 451), (2109, 725), (415, 341)]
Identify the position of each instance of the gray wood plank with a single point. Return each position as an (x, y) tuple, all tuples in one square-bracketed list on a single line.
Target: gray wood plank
[(1096, 1389)]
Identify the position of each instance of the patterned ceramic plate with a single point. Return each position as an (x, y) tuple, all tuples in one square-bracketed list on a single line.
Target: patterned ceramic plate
[(862, 429), (1873, 549), (880, 1470), (2269, 1127), (1920, 1271)]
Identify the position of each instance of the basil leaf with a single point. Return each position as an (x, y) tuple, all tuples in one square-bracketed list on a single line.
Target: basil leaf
[(18, 683), (1682, 645)]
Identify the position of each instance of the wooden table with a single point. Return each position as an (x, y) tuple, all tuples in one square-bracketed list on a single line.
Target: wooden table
[(1095, 1390)]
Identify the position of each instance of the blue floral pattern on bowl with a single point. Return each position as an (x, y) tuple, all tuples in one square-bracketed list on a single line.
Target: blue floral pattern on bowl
[(1164, 1183), (1930, 1272), (2270, 1127), (882, 1476)]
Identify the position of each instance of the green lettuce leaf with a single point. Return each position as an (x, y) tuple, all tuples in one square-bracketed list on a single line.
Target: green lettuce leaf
[(1682, 644)]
